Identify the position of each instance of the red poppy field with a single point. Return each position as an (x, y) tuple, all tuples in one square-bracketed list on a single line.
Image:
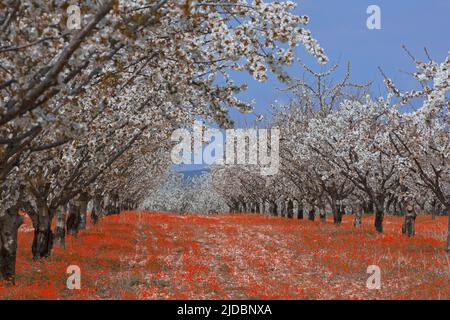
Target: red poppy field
[(137, 255)]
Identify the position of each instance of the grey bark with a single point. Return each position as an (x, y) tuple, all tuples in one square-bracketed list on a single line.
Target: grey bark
[(43, 235), (379, 214), (83, 203), (408, 227), (10, 222), (73, 218), (274, 208), (290, 209), (60, 233), (358, 216), (96, 209), (311, 214), (337, 212), (323, 215), (299, 210)]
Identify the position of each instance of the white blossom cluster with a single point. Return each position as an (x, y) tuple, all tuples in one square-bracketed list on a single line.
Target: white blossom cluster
[(184, 194)]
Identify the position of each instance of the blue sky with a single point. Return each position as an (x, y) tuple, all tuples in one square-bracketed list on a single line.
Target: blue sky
[(340, 28)]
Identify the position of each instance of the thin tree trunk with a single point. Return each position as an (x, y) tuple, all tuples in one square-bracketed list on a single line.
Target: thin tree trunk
[(409, 224), (323, 215), (282, 208), (358, 215), (235, 207), (337, 212), (299, 210), (368, 207), (43, 235), (271, 208), (83, 203), (290, 209), (311, 214), (275, 209), (96, 209), (434, 210), (60, 233), (379, 215), (10, 221), (261, 206), (73, 218)]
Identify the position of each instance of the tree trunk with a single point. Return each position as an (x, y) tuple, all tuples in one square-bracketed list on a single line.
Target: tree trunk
[(379, 215), (60, 234), (43, 235), (235, 207), (357, 221), (299, 210), (390, 204), (368, 207), (408, 226), (337, 212), (83, 203), (311, 214), (113, 208), (282, 208), (10, 222), (73, 219), (434, 210), (96, 209), (271, 206), (290, 209), (323, 215), (94, 215)]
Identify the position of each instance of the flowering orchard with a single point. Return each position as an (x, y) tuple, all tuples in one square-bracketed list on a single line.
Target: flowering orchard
[(90, 96)]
